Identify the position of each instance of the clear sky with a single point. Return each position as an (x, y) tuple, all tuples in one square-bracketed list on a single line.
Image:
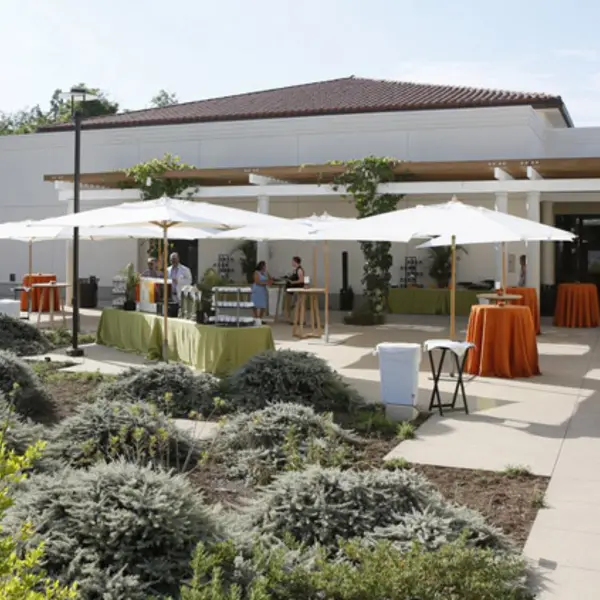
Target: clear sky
[(202, 48)]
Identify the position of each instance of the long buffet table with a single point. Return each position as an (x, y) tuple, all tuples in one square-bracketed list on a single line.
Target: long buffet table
[(430, 301), (217, 350)]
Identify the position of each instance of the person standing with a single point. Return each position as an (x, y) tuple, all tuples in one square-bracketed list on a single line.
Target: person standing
[(260, 294), (179, 275), (523, 271), (152, 270)]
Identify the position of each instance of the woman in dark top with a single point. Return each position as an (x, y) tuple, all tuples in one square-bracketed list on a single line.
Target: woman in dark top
[(296, 279)]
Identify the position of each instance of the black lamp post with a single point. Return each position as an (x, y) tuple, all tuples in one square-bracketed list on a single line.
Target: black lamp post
[(76, 96)]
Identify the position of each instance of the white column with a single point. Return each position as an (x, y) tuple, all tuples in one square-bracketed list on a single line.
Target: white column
[(547, 249), (533, 248), (501, 205), (69, 273), (262, 248)]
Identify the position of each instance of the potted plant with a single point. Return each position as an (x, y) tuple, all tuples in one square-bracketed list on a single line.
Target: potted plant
[(132, 280), (440, 268), (248, 258)]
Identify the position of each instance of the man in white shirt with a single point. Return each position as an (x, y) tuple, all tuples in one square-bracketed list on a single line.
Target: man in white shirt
[(179, 275)]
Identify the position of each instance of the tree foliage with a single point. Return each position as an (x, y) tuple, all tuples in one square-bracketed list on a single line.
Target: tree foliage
[(163, 99), (30, 120)]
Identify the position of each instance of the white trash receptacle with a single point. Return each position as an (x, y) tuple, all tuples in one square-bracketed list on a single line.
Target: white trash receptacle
[(11, 308), (399, 376), (273, 296)]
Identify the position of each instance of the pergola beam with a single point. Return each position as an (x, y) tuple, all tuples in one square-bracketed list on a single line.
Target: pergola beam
[(502, 175), (255, 179), (533, 174), (409, 187)]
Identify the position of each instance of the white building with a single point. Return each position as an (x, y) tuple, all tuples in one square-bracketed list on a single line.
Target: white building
[(517, 152)]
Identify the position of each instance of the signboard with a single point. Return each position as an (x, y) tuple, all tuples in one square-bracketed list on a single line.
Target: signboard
[(151, 291)]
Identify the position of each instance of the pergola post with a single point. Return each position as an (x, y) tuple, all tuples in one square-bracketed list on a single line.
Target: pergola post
[(262, 248), (533, 248), (548, 248), (501, 205), (69, 265)]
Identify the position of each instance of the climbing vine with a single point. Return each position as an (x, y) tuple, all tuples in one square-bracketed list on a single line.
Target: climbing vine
[(149, 178), (361, 179)]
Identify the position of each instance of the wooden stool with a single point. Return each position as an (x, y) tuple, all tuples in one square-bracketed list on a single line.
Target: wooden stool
[(49, 288), (312, 294)]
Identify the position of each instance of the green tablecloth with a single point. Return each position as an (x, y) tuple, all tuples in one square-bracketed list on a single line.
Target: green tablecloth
[(217, 350), (424, 301)]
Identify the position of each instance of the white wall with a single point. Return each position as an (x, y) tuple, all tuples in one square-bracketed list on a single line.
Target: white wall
[(486, 133)]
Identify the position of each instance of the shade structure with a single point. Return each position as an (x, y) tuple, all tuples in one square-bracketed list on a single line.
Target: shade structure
[(300, 229), (167, 214), (29, 232)]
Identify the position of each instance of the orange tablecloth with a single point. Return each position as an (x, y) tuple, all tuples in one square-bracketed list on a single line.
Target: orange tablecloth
[(36, 293), (528, 298), (505, 342), (577, 305)]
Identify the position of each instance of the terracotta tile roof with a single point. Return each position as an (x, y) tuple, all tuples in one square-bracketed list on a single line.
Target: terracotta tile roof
[(350, 95)]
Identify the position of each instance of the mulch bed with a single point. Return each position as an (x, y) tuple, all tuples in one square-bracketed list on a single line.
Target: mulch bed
[(508, 502)]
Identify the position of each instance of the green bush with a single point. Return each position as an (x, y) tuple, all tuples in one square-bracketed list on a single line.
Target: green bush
[(256, 446), (325, 505), (21, 575), (22, 388), (382, 572), (22, 338), (107, 431), (18, 434), (121, 531), (174, 388), (289, 376)]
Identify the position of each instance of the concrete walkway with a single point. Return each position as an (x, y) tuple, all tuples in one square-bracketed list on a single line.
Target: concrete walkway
[(549, 423)]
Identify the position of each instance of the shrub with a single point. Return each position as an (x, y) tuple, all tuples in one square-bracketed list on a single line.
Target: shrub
[(22, 338), (381, 572), (289, 376), (256, 446), (21, 575), (17, 433), (174, 388), (108, 431), (119, 530), (325, 505), (22, 387)]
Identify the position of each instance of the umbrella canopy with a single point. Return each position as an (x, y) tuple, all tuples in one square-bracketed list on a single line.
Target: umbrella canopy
[(301, 229), (165, 213), (29, 231), (450, 219)]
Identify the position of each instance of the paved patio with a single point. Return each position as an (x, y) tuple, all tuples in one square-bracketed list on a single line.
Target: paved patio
[(549, 423)]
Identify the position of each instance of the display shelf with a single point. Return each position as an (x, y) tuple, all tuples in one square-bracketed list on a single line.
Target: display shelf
[(222, 300), (119, 291)]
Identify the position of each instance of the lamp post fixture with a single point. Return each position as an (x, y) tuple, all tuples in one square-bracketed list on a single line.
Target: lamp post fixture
[(76, 96)]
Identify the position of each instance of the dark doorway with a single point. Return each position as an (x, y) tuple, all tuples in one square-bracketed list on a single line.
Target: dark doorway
[(579, 260), (188, 254)]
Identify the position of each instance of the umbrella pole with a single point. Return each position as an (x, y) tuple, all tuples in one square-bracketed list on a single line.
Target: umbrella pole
[(326, 268), (165, 343), (503, 267), (453, 290), (30, 293), (315, 261)]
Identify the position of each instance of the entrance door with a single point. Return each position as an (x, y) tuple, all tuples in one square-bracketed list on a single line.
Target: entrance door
[(188, 254), (579, 260)]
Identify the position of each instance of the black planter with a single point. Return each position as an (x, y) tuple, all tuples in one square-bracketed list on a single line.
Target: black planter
[(347, 300), (129, 305)]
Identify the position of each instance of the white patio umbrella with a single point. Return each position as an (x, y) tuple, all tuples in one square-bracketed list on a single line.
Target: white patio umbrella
[(300, 229), (166, 214), (29, 232), (454, 221)]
